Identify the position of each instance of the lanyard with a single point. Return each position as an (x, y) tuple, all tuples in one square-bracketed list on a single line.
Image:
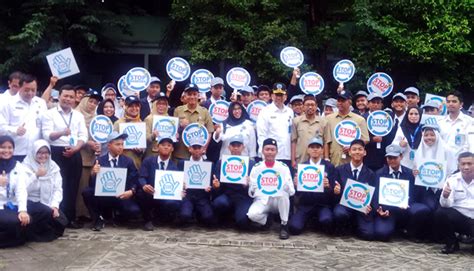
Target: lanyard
[(412, 137), (70, 118)]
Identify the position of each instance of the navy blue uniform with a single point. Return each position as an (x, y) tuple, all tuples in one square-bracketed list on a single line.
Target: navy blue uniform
[(374, 159), (166, 208), (343, 215), (232, 197), (97, 205), (315, 204)]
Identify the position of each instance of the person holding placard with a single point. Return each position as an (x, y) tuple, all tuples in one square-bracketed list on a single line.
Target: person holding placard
[(191, 112), (456, 213), (247, 96), (315, 204), (408, 135), (153, 90), (167, 209), (413, 96), (217, 89), (237, 123), (197, 200), (132, 115), (357, 171), (387, 217), (13, 196), (65, 129), (334, 151), (264, 202), (264, 94), (232, 197), (45, 193), (123, 202)]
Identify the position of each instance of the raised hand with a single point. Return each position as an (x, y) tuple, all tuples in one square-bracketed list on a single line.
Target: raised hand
[(41, 171), (337, 188), (446, 190), (21, 131)]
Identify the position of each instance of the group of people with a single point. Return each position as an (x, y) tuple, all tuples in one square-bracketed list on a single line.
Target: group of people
[(49, 161)]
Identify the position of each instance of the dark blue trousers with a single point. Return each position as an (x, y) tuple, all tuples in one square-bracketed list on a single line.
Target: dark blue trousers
[(344, 217), (202, 207), (11, 232), (98, 205), (225, 204), (304, 213), (166, 209)]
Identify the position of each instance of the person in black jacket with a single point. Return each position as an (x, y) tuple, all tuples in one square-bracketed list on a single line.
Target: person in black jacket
[(124, 203), (357, 171), (315, 204)]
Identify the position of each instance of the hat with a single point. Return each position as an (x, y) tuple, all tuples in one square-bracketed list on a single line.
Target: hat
[(190, 87), (316, 140), (197, 143), (55, 94), (345, 94), (216, 81), (399, 95), (393, 150), (374, 95), (84, 87), (361, 93), (165, 139), (155, 79), (270, 141), (160, 96), (296, 98), (263, 87), (237, 139), (247, 89), (131, 100), (413, 90), (279, 88), (115, 135), (331, 102), (388, 110), (431, 125), (93, 94), (431, 103)]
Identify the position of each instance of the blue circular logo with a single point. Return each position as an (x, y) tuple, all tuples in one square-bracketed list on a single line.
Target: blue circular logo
[(254, 108), (379, 123), (238, 78), (346, 131), (343, 71), (310, 178), (219, 111), (357, 196), (393, 193), (444, 108), (202, 79), (195, 133), (380, 83), (269, 182), (124, 90), (234, 169), (292, 57), (431, 173), (166, 129), (137, 79), (100, 128), (178, 69), (312, 83)]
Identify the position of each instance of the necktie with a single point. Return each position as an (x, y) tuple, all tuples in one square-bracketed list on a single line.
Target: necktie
[(396, 174), (162, 165), (114, 162), (355, 174)]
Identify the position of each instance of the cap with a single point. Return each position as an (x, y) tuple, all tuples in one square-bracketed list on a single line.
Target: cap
[(393, 150), (296, 98), (131, 100), (361, 93), (155, 79), (197, 143), (165, 139), (316, 140), (115, 135), (55, 94), (431, 103), (345, 94), (413, 90), (263, 87), (399, 95), (247, 89), (191, 87), (279, 88), (431, 125), (160, 96), (84, 87), (236, 139), (93, 94), (270, 141), (217, 81), (374, 95), (331, 102), (388, 110)]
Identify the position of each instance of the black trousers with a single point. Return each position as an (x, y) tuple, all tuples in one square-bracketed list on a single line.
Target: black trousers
[(448, 221), (11, 232), (71, 170)]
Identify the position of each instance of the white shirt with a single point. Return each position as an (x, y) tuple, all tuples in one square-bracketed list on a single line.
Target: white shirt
[(18, 179), (16, 113), (450, 129), (111, 158), (406, 161), (461, 197), (275, 123), (158, 159), (247, 130), (279, 167), (313, 163), (55, 120), (47, 190)]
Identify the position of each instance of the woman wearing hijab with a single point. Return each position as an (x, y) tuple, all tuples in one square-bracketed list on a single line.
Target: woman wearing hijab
[(408, 135), (91, 149), (160, 108), (45, 193), (13, 196), (109, 91), (237, 123), (107, 108)]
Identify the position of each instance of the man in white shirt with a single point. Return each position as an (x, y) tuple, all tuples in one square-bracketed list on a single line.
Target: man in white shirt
[(20, 118), (456, 213), (275, 121), (66, 131), (13, 88)]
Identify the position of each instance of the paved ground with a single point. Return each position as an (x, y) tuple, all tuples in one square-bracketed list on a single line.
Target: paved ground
[(222, 249)]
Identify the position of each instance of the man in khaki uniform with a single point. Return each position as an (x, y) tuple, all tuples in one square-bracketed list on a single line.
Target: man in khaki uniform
[(305, 127), (332, 150), (191, 112)]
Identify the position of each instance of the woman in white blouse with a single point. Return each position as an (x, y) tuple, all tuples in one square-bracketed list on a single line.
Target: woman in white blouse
[(237, 123)]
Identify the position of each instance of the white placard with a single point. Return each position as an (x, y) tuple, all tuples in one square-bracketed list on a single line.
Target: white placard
[(202, 79), (312, 83), (343, 71), (100, 128), (197, 175), (168, 185), (62, 63), (234, 169), (137, 79), (110, 182), (178, 69), (136, 132), (238, 77), (219, 111), (380, 83), (394, 192), (310, 178), (432, 173), (291, 56), (379, 123), (254, 108), (443, 108), (269, 183), (346, 131), (357, 195), (167, 127)]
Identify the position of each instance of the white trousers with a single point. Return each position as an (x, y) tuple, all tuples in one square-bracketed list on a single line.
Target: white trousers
[(258, 211)]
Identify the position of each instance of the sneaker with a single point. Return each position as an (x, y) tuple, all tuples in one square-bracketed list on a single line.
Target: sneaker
[(148, 226), (99, 224), (284, 232)]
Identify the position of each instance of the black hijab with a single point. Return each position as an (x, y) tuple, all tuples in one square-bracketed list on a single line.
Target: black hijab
[(100, 109), (412, 129), (233, 121), (7, 165)]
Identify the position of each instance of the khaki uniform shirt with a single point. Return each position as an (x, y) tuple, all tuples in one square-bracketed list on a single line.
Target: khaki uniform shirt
[(303, 131), (132, 154)]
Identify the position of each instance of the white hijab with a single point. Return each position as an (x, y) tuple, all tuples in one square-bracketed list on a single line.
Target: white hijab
[(30, 159), (436, 152)]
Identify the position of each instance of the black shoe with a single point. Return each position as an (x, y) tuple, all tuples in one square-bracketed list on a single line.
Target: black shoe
[(465, 239), (448, 249), (148, 226), (99, 224), (284, 232), (75, 225)]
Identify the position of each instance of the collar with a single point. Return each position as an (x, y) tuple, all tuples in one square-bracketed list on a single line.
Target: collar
[(349, 115), (111, 157), (213, 100), (158, 159), (359, 168), (461, 117), (60, 110), (313, 163), (186, 108), (390, 170), (149, 100), (304, 118), (276, 109), (200, 160)]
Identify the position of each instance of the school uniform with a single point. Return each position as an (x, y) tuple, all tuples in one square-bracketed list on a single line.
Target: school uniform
[(372, 159), (343, 215), (317, 205)]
